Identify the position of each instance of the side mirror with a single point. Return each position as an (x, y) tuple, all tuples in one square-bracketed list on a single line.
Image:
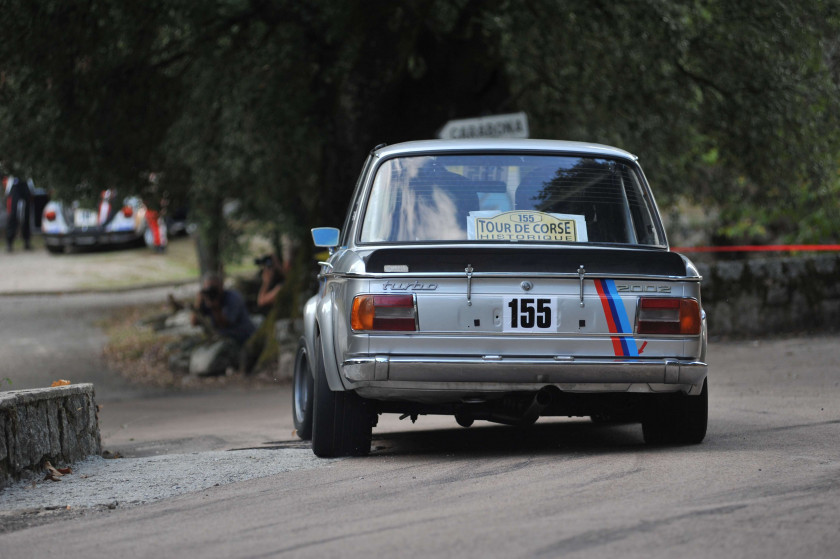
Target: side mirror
[(325, 237)]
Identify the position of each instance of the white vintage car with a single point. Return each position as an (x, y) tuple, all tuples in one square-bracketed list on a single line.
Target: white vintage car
[(113, 222), (501, 280)]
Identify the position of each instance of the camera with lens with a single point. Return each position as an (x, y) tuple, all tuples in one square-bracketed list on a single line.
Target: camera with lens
[(264, 261), (212, 293)]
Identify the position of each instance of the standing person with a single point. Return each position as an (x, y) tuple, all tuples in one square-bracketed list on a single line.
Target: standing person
[(18, 207), (156, 204), (155, 235)]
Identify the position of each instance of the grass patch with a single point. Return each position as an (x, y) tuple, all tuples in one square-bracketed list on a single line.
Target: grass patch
[(137, 351), (114, 269), (142, 354)]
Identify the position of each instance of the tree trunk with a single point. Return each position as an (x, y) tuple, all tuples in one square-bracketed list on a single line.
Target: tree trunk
[(209, 215)]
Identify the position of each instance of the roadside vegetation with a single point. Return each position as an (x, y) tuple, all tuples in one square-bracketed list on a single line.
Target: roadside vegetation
[(262, 112), (144, 355)]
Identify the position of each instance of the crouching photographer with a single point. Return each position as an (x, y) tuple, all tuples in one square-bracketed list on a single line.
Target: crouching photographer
[(228, 318)]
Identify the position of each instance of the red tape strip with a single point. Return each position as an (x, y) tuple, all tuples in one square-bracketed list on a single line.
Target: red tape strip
[(765, 248)]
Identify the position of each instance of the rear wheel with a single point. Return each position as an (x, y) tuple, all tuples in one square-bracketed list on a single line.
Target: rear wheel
[(342, 422), (614, 418), (302, 392), (679, 419)]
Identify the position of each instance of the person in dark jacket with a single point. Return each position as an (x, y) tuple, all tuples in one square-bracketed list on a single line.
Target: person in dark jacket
[(225, 308), (222, 311), (18, 208)]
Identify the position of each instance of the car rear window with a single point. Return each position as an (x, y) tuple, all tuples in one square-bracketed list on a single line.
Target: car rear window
[(509, 198)]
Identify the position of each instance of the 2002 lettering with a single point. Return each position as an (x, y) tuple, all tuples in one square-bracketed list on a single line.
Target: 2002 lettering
[(524, 313), (643, 288)]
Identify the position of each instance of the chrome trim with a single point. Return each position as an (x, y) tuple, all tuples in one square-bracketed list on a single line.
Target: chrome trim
[(648, 278), (460, 392), (502, 145), (582, 274), (441, 371), (469, 271)]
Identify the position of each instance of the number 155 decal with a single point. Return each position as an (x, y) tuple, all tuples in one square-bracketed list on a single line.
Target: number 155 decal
[(530, 314)]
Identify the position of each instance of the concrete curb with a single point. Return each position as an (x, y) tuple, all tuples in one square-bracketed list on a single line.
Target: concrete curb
[(58, 424), (86, 291)]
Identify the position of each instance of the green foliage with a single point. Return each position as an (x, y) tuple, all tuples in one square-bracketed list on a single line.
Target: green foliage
[(733, 105), (677, 81), (82, 104)]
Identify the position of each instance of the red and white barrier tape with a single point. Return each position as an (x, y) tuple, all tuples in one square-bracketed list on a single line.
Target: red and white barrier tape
[(762, 248)]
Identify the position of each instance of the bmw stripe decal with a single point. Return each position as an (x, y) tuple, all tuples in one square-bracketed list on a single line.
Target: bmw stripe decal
[(617, 320)]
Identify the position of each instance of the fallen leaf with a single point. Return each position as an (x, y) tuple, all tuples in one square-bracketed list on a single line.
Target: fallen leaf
[(60, 382), (64, 471), (51, 471)]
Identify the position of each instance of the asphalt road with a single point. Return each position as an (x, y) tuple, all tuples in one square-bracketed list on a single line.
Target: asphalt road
[(765, 483)]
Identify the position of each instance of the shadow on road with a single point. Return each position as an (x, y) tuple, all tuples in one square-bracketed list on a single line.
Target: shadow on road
[(551, 437)]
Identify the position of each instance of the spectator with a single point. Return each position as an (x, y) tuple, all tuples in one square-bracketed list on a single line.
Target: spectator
[(225, 308), (273, 277), (225, 311), (18, 207)]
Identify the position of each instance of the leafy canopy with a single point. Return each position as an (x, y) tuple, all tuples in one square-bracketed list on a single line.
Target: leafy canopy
[(732, 105)]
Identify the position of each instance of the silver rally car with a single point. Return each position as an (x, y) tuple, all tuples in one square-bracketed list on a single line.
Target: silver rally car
[(501, 280)]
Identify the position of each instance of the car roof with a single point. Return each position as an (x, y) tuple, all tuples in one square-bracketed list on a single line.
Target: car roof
[(496, 145)]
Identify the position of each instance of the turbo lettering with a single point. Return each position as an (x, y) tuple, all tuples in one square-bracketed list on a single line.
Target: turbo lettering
[(409, 286)]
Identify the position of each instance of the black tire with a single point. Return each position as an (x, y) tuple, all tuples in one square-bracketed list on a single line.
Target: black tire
[(679, 419), (342, 423), (53, 249), (303, 388), (615, 418)]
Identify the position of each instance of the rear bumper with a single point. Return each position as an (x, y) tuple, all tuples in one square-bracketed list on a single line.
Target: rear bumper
[(447, 378), (90, 238)]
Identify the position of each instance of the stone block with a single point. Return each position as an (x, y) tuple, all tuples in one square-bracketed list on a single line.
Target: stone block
[(729, 272), (58, 424)]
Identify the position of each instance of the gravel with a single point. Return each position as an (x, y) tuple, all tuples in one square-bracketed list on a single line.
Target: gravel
[(98, 482)]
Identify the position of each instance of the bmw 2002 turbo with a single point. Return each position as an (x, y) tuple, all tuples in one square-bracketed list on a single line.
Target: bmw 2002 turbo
[(501, 280)]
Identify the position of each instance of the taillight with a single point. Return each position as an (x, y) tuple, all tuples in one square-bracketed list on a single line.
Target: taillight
[(668, 316), (384, 313), (128, 211), (50, 215)]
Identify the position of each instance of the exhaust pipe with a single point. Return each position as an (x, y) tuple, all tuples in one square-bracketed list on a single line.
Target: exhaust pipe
[(545, 396)]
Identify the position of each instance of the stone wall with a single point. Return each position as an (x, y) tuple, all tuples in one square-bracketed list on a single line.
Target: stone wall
[(288, 333), (770, 296), (57, 424)]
